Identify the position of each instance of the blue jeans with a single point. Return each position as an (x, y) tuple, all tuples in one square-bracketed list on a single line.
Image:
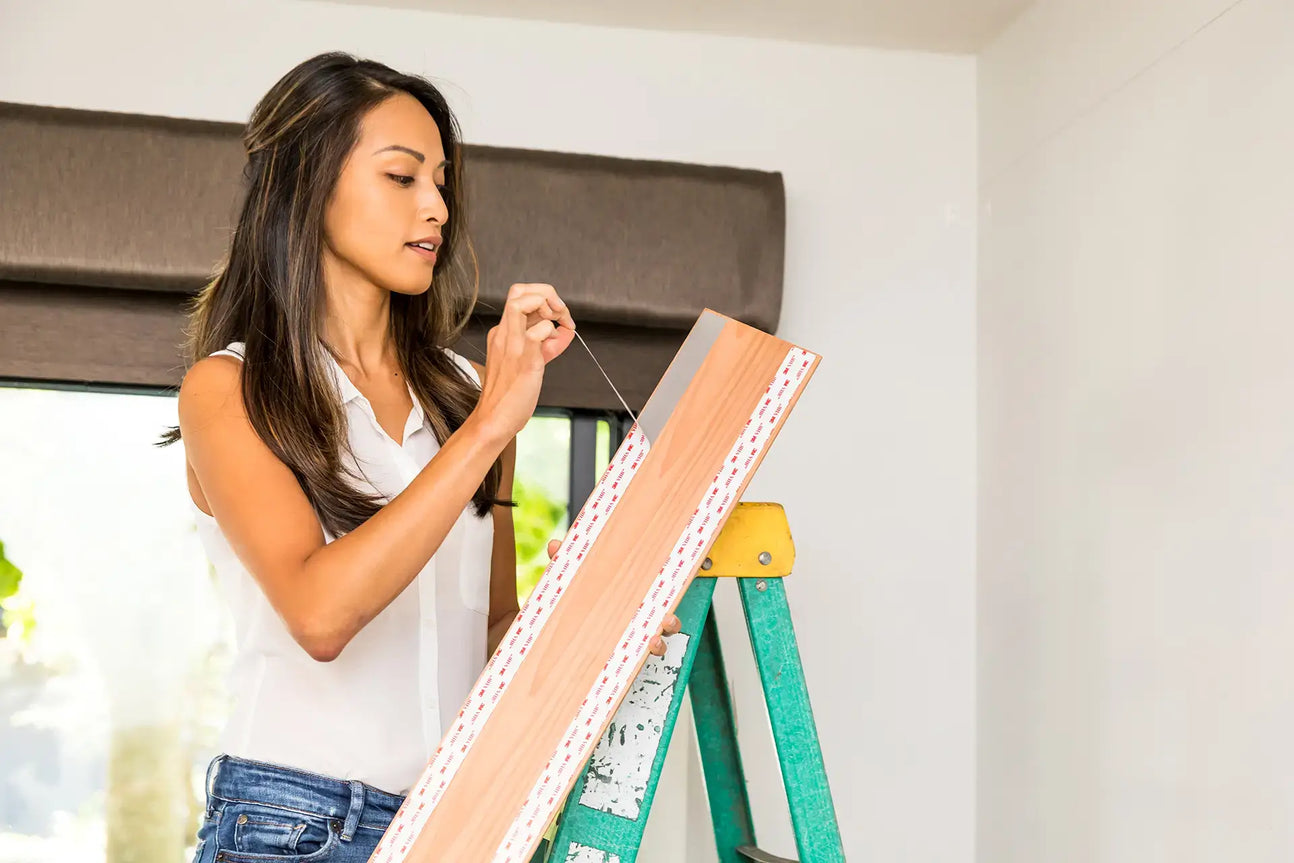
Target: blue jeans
[(264, 813)]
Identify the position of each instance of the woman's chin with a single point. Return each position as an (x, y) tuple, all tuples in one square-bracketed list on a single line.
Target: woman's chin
[(409, 290)]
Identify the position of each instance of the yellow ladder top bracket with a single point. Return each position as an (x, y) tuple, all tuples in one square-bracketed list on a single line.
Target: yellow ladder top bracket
[(755, 543)]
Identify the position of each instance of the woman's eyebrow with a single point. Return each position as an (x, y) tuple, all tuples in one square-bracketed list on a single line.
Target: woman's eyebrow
[(419, 156)]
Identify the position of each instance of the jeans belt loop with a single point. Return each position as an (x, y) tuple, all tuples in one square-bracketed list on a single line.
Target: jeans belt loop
[(356, 809), (213, 769)]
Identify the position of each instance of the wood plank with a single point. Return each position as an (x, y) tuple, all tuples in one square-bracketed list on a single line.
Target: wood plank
[(493, 806)]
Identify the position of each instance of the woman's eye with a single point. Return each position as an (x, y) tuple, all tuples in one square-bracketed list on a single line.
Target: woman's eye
[(401, 179)]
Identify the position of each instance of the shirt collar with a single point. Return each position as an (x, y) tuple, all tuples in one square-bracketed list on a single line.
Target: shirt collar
[(349, 392), (345, 388)]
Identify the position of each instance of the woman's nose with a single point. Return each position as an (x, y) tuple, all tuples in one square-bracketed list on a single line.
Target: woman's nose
[(435, 208)]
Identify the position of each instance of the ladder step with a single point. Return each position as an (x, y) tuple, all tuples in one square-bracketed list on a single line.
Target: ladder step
[(753, 854)]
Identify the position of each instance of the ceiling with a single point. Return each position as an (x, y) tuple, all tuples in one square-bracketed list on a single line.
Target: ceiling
[(956, 26)]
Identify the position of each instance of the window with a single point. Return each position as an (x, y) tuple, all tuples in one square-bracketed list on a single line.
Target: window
[(114, 643), (560, 456)]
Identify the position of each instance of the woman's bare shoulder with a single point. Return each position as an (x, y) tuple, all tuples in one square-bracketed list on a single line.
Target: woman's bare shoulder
[(213, 384)]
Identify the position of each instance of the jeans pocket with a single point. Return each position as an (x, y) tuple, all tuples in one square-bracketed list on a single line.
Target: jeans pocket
[(256, 833)]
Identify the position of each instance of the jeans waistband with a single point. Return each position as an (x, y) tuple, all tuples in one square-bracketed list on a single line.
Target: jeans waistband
[(344, 800)]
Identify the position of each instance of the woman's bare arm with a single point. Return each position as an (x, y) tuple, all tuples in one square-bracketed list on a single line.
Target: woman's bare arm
[(325, 592)]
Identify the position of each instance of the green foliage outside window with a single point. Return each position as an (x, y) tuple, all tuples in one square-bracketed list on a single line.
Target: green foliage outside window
[(15, 613), (536, 519)]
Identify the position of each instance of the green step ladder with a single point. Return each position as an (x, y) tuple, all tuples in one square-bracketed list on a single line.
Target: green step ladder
[(606, 812)]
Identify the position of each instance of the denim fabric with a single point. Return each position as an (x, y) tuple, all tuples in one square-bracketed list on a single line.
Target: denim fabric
[(264, 813)]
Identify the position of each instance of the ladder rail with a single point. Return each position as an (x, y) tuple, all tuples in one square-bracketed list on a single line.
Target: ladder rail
[(716, 734), (786, 695), (605, 814)]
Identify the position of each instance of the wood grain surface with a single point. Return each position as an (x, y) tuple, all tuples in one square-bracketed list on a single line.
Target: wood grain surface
[(516, 743)]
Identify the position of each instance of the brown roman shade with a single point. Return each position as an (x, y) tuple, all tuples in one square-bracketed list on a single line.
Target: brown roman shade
[(108, 222)]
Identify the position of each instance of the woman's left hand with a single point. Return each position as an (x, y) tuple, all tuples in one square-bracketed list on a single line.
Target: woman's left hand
[(670, 626)]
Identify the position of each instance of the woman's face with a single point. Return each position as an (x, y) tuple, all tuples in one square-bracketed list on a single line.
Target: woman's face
[(387, 197)]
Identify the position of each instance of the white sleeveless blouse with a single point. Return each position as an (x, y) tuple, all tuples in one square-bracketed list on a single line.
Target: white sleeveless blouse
[(377, 712)]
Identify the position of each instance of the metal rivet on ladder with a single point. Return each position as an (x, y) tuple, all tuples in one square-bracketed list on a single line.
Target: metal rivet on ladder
[(765, 558), (761, 585), (707, 563)]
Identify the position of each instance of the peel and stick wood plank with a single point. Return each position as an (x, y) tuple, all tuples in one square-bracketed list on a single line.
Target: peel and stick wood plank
[(554, 683)]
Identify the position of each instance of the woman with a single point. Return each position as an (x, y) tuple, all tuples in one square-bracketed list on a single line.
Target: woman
[(350, 474)]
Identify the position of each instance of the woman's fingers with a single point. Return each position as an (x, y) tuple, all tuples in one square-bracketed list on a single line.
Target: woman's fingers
[(527, 310), (519, 329), (553, 545), (531, 307), (549, 293), (671, 625), (554, 307), (553, 348), (541, 331)]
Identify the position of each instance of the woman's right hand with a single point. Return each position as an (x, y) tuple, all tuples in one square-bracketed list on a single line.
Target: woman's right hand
[(525, 340)]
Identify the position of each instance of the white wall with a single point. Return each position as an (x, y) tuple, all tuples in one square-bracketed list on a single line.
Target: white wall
[(1136, 610), (876, 467)]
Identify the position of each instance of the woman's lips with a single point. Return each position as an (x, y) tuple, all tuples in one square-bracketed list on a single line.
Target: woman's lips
[(421, 252)]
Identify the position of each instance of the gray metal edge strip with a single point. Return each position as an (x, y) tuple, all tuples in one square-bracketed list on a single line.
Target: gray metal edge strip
[(686, 363)]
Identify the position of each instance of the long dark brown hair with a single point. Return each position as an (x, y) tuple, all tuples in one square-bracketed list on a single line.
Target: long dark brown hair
[(268, 289)]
